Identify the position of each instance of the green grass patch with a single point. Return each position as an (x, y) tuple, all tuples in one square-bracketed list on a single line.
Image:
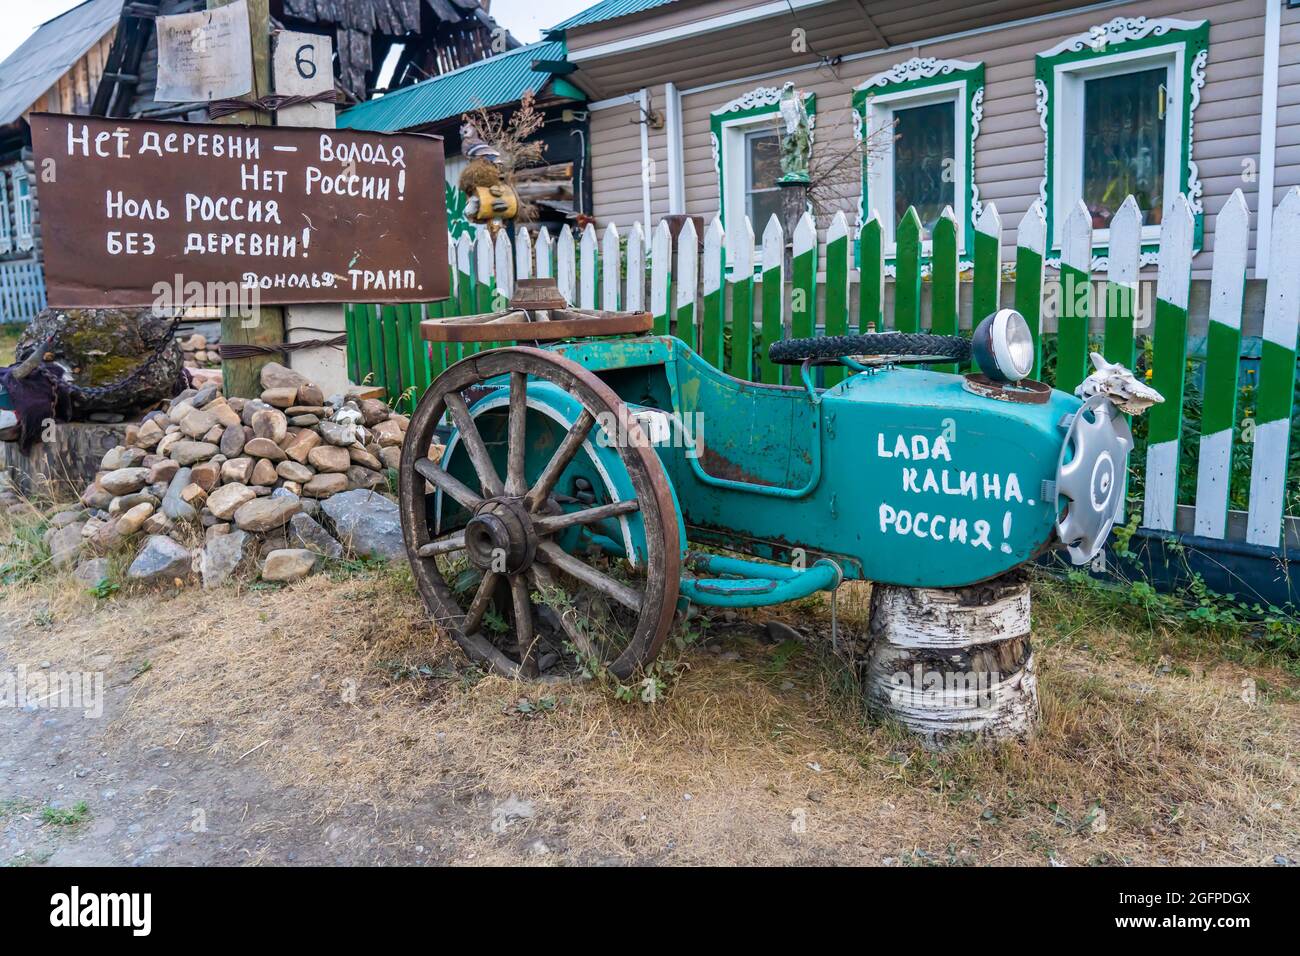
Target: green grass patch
[(70, 817)]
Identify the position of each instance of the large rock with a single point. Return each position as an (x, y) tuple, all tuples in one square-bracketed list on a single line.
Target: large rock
[(173, 506), (329, 458), (65, 544), (289, 564), (367, 523), (160, 560), (232, 441), (191, 452), (124, 481), (266, 514), (305, 532), (292, 471), (237, 470), (275, 375), (101, 347), (264, 448), (338, 433), (133, 519), (198, 423), (222, 556), (228, 499), (324, 485), (123, 457), (301, 446), (91, 572), (270, 423)]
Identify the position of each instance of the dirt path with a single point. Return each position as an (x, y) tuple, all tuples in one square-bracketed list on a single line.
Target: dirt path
[(166, 806)]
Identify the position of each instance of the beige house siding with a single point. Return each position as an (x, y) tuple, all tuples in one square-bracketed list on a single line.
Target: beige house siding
[(1288, 104), (1009, 150)]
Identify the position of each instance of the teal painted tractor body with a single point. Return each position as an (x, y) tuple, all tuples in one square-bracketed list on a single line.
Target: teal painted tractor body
[(897, 475)]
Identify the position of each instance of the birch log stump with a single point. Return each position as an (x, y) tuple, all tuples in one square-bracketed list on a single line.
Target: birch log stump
[(954, 662)]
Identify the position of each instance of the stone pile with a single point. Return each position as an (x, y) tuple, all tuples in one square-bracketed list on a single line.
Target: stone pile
[(200, 351), (213, 485)]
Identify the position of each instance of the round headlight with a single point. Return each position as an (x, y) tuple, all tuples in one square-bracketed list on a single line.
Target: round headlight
[(1004, 346)]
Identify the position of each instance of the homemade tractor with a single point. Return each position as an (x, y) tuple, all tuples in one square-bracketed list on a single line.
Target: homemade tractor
[(560, 518)]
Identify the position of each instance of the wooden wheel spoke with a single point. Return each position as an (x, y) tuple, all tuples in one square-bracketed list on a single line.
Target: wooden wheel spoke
[(516, 484), (560, 460), (440, 478), (525, 633), (444, 545), (474, 446), (482, 598), (549, 524), (620, 592), (544, 581)]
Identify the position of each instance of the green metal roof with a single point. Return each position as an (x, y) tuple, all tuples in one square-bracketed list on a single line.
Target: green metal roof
[(608, 10), (503, 78)]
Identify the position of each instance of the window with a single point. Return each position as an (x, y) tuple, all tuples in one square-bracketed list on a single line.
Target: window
[(24, 239), (746, 142), (762, 169), (923, 144), (6, 228), (920, 119), (1124, 127), (1116, 107)]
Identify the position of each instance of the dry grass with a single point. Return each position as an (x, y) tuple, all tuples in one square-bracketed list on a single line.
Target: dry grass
[(337, 687), (9, 335)]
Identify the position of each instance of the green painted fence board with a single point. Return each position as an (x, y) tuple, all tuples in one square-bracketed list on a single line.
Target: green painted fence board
[(1075, 301), (944, 277), (740, 252), (1031, 245), (803, 279), (714, 311), (773, 299), (871, 272), (907, 278)]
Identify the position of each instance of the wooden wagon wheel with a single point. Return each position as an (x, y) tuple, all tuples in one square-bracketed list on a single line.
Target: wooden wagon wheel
[(503, 565)]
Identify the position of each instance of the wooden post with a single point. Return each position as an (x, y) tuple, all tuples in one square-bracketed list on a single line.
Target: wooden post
[(242, 377), (953, 662), (302, 65), (794, 203)]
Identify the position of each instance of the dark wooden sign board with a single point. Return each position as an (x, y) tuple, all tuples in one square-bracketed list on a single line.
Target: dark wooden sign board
[(308, 215)]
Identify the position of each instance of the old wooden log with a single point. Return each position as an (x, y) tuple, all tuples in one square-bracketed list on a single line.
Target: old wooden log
[(953, 662), (65, 462)]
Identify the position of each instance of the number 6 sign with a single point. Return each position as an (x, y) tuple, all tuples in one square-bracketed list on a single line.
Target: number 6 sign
[(302, 64)]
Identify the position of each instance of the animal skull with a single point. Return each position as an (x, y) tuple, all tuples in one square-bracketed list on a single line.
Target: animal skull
[(1119, 385)]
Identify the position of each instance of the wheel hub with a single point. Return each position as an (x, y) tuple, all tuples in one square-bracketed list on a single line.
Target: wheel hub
[(1092, 481), (500, 537)]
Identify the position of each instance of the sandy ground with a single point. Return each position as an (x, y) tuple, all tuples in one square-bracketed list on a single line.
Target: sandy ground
[(326, 723)]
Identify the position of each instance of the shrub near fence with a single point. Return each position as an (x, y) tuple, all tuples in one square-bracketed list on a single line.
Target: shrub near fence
[(729, 298)]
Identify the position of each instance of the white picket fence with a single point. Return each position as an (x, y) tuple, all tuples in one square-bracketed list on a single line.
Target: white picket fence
[(22, 290)]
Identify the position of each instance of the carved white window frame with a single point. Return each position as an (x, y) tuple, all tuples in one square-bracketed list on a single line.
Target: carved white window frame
[(1123, 45), (757, 109), (6, 230), (24, 238)]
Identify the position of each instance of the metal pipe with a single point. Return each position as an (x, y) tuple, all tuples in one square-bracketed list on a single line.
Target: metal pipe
[(755, 584)]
